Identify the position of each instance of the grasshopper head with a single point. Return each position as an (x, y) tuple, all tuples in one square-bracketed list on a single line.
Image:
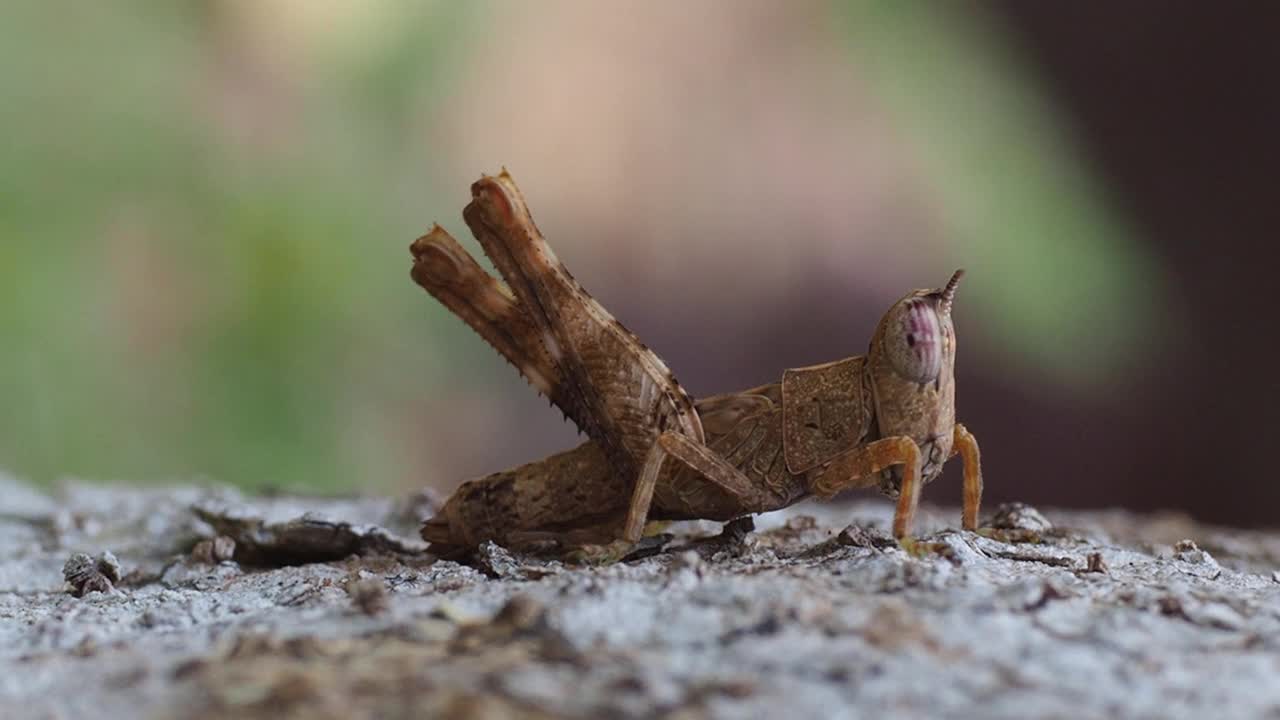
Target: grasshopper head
[(916, 335)]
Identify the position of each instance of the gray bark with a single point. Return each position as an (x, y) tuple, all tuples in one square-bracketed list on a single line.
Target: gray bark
[(1098, 614)]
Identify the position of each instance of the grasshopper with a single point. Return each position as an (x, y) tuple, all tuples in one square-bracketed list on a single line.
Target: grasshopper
[(886, 418)]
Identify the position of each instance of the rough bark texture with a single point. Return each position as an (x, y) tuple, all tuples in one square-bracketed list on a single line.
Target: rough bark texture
[(1100, 614)]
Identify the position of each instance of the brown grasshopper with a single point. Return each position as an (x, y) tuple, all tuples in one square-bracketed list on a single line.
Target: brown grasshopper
[(886, 418)]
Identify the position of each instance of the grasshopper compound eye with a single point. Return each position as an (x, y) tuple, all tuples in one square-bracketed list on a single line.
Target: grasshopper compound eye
[(918, 334), (914, 339)]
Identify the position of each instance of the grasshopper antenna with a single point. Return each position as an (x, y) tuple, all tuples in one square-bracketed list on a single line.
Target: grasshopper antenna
[(949, 292)]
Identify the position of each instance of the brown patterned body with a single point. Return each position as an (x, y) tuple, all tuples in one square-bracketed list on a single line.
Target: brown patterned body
[(885, 418), (577, 490)]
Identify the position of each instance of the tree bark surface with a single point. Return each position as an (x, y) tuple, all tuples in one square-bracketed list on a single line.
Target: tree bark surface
[(231, 606)]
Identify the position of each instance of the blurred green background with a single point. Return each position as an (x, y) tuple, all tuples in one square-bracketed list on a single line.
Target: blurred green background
[(205, 209)]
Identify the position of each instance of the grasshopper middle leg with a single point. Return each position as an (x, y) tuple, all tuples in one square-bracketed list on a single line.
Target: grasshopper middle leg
[(857, 468)]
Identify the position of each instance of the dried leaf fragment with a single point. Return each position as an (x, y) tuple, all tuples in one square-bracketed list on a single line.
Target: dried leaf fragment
[(306, 539), (87, 574), (1096, 564), (1020, 516), (212, 551)]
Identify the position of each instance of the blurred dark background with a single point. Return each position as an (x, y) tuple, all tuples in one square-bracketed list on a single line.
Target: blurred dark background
[(205, 210)]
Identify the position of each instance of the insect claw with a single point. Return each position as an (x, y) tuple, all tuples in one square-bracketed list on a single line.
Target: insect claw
[(598, 555), (921, 549)]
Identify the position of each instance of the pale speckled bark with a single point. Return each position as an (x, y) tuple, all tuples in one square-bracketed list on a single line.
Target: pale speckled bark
[(1114, 618)]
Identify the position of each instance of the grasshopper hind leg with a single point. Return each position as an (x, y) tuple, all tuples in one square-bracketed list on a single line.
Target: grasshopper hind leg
[(442, 267), (704, 462)]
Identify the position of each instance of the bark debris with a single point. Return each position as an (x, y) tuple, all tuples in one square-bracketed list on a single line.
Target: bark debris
[(328, 608)]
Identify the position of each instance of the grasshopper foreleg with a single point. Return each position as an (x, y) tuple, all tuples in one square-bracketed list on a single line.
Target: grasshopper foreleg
[(965, 445), (854, 468)]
